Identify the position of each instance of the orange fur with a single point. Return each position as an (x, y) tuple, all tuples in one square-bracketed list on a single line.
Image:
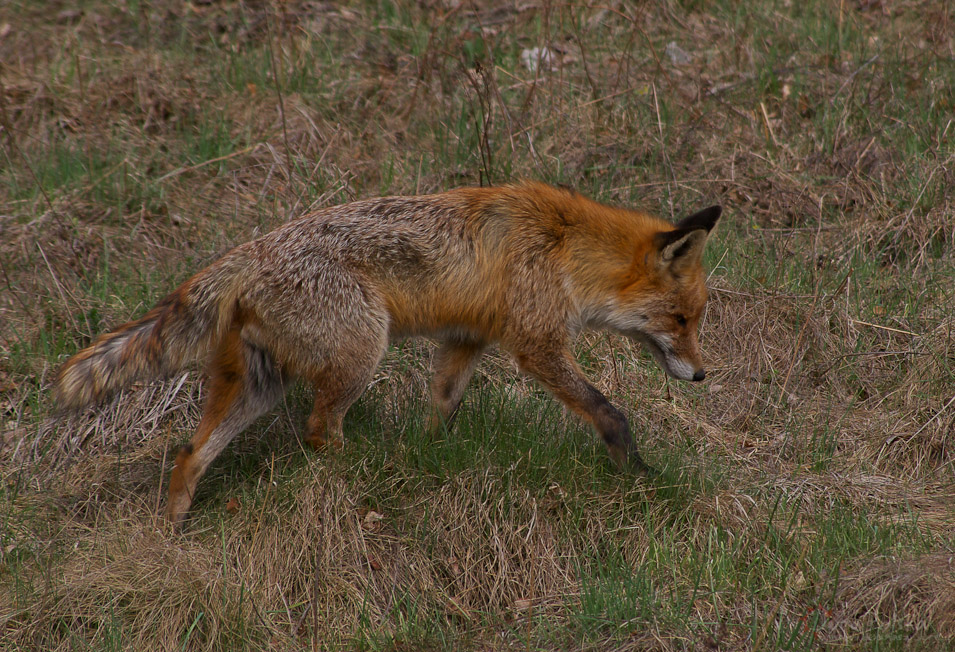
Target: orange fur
[(527, 266)]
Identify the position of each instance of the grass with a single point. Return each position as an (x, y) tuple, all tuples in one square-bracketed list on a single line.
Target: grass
[(808, 488)]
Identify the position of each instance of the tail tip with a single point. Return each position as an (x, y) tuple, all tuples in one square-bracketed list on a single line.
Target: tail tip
[(75, 387)]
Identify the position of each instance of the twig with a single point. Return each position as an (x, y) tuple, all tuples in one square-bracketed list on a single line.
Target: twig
[(853, 76), (478, 78), (769, 127), (885, 328), (162, 468), (318, 163), (809, 315), (583, 61), (763, 296), (278, 93), (758, 645), (856, 354), (937, 415), (26, 308), (663, 146), (190, 168), (582, 105), (7, 128), (59, 287)]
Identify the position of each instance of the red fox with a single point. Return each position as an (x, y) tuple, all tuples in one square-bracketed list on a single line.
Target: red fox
[(527, 266)]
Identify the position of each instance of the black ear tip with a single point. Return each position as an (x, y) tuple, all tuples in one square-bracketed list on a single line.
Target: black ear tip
[(712, 213), (704, 219)]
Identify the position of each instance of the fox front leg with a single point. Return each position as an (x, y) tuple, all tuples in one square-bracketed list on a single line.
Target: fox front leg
[(562, 376)]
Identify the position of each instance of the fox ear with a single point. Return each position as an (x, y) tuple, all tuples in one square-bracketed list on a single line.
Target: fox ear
[(684, 245), (704, 219), (680, 246)]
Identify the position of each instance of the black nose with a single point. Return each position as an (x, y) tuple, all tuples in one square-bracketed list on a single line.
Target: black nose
[(699, 375)]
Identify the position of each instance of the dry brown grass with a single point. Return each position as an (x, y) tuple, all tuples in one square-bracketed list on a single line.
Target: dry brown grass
[(917, 592), (811, 478)]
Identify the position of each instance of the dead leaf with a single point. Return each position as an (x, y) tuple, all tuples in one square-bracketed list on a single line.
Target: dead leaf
[(370, 522)]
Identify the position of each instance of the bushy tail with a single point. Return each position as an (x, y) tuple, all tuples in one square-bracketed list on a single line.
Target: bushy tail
[(179, 330)]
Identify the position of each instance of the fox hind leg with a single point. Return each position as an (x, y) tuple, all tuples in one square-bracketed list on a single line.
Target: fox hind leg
[(243, 384), (454, 364), (337, 386)]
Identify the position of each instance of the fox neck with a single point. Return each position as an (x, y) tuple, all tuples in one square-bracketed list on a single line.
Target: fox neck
[(598, 283), (597, 301)]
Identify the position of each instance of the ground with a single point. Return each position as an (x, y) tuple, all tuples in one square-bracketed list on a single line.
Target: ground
[(808, 499)]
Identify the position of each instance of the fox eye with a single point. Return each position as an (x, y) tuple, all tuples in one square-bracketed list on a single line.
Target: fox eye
[(681, 320)]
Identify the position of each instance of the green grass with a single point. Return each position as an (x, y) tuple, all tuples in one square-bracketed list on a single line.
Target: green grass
[(774, 563)]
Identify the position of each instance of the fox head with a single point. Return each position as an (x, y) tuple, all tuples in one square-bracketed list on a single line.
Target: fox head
[(663, 295)]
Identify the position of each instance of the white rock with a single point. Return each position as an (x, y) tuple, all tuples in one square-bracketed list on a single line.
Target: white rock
[(532, 58), (677, 54)]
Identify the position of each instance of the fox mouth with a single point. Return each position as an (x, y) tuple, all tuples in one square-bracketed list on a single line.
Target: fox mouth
[(665, 357), (655, 350)]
